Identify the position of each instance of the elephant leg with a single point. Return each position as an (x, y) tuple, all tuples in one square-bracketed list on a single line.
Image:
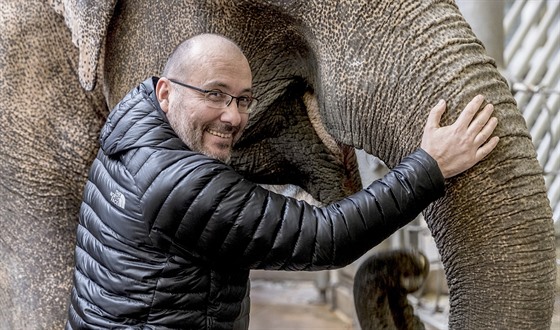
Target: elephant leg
[(49, 128)]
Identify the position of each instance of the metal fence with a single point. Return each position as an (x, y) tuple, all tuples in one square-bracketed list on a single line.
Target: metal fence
[(532, 60)]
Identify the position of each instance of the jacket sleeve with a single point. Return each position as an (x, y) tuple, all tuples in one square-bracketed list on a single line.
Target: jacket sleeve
[(210, 212)]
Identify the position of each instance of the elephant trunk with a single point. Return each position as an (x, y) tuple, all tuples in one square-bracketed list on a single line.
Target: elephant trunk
[(494, 227), (381, 285)]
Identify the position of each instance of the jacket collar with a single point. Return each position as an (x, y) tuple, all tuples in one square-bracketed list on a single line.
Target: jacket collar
[(138, 121)]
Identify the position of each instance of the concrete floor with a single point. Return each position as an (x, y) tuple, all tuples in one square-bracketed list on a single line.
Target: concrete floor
[(291, 305), (295, 305)]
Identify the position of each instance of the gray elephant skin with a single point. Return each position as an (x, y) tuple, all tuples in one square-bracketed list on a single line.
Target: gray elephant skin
[(330, 76)]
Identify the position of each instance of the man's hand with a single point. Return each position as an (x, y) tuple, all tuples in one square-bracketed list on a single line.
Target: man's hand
[(461, 145)]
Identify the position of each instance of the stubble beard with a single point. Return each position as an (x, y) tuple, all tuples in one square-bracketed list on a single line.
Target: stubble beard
[(192, 136)]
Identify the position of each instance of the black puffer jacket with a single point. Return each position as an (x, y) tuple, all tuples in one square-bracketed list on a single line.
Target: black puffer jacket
[(167, 236)]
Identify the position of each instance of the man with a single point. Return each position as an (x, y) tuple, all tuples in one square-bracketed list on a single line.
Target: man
[(168, 232)]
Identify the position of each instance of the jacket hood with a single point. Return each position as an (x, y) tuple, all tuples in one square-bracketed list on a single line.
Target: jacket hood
[(132, 123)]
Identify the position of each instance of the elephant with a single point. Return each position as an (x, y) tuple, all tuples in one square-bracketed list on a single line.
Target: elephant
[(381, 285), (331, 77)]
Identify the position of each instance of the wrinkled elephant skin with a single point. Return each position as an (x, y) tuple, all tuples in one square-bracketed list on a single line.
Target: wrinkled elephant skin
[(329, 77)]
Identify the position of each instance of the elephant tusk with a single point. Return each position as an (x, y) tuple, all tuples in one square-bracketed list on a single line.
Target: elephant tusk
[(312, 106)]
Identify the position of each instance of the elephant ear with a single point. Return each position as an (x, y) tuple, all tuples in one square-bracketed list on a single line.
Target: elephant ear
[(88, 21)]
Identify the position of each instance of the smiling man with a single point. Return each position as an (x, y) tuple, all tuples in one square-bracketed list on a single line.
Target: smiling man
[(200, 111), (168, 231)]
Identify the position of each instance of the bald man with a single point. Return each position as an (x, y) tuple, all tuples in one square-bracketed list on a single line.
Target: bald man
[(168, 231)]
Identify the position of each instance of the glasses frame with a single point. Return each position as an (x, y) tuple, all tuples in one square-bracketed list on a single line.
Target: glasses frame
[(250, 107)]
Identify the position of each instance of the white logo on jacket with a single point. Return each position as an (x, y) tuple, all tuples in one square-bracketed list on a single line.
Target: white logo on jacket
[(118, 199)]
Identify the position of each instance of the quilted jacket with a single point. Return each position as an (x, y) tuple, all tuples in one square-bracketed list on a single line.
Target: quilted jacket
[(167, 236)]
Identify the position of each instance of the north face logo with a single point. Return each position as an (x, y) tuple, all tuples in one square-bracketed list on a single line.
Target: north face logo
[(117, 198)]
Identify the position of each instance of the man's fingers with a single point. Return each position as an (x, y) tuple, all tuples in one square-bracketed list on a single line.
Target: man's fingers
[(435, 115), (467, 115), (467, 141), (485, 149), (486, 131), (481, 120)]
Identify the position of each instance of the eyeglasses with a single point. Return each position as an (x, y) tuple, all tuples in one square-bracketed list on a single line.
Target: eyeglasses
[(219, 100)]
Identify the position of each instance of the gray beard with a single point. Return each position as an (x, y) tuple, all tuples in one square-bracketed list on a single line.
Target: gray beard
[(192, 137)]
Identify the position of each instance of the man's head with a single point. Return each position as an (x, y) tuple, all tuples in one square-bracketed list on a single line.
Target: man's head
[(207, 62)]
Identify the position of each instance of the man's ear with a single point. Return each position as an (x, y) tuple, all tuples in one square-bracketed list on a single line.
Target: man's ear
[(162, 93), (88, 20)]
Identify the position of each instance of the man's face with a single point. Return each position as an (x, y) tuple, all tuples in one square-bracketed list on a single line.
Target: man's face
[(202, 128)]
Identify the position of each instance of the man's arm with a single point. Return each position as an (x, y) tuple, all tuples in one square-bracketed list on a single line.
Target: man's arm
[(212, 213)]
